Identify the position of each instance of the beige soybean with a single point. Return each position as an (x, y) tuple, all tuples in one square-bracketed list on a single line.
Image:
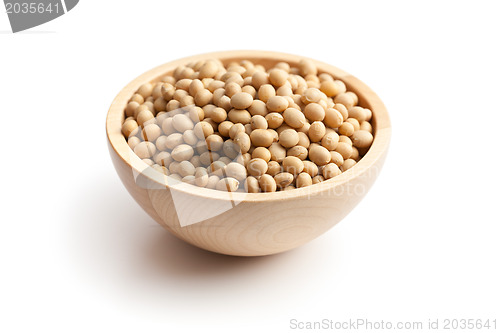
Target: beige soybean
[(366, 126), (257, 167), (303, 140), (314, 112), (355, 153), (131, 107), (167, 126), (235, 129), (307, 67), (329, 88), (262, 152), (189, 137), (361, 139), (278, 152), (294, 118), (230, 149), (310, 168), (203, 130), (145, 90), (346, 129), (224, 128), (137, 98), (319, 155), (151, 132), (259, 78), (330, 140), (261, 138), (318, 179), (357, 112), (174, 140), (236, 170), (161, 142), (239, 116), (207, 158), (244, 159), (345, 139), (343, 111), (227, 184), (265, 92), (277, 104), (241, 100), (258, 107), (288, 138), (274, 134), (274, 119), (336, 158), (344, 149), (311, 95), (353, 96), (283, 65), (283, 179), (267, 183), (252, 185), (195, 160), (214, 142), (258, 122), (317, 131), (216, 168), (148, 161), (333, 118), (214, 85), (249, 90), (203, 97), (298, 151), (278, 77), (182, 152), (331, 170), (293, 165), (145, 117), (134, 141), (286, 122), (145, 149), (285, 91), (218, 115), (225, 103), (273, 168), (231, 89), (248, 129), (349, 163), (212, 181), (186, 168), (195, 86), (303, 180), (182, 122), (129, 128), (201, 177), (208, 70)]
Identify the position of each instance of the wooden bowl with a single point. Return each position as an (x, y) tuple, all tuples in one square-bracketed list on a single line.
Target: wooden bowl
[(247, 224)]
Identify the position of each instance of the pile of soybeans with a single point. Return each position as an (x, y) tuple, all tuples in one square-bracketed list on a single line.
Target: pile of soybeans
[(242, 127)]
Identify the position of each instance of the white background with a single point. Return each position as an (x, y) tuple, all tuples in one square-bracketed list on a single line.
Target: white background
[(79, 255)]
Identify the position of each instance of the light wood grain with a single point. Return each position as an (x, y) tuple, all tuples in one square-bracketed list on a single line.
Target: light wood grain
[(259, 223)]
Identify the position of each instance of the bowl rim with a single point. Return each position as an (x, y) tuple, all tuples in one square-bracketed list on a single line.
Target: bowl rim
[(382, 129)]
